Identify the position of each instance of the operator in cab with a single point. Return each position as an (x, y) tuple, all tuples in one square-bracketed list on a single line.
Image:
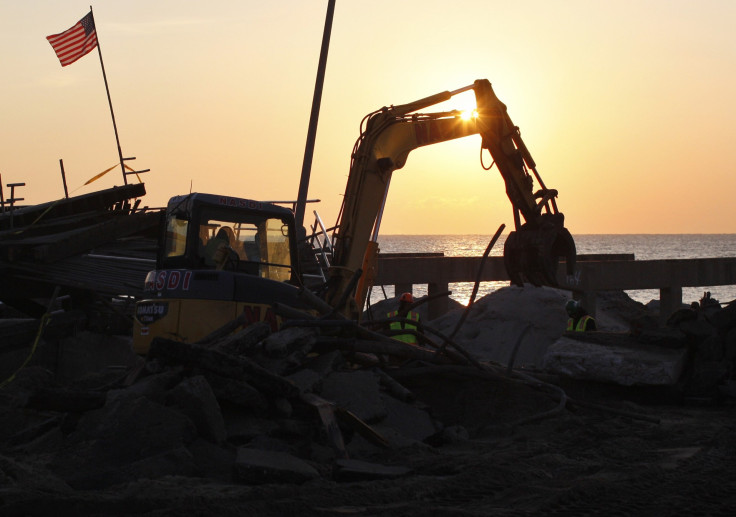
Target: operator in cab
[(578, 319), (216, 251), (404, 311)]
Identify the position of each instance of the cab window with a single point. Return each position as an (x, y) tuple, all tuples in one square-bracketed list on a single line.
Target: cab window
[(176, 237), (261, 244)]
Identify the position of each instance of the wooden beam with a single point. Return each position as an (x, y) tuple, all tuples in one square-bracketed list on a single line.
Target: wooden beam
[(100, 200)]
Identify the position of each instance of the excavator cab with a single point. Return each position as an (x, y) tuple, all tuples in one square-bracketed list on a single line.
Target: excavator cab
[(204, 232), (220, 257)]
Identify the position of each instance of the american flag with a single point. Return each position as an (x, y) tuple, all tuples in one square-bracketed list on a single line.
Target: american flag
[(74, 43)]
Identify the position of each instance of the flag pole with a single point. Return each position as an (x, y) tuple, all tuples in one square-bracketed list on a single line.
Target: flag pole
[(109, 101)]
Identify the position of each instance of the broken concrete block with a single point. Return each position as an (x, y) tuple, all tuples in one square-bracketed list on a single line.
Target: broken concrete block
[(494, 324), (697, 329), (704, 376), (408, 420), (89, 352), (194, 397), (153, 386), (357, 470), (30, 476), (710, 349), (253, 466), (359, 446), (667, 337), (724, 319), (456, 433), (236, 391), (21, 426), (326, 411), (212, 461), (305, 379), (124, 441), (66, 399), (358, 392), (26, 382), (244, 342), (394, 387), (325, 363), (239, 368), (627, 366), (282, 407), (279, 344), (729, 345), (242, 427)]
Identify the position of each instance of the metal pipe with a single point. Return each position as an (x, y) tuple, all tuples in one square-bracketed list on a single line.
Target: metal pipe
[(314, 117)]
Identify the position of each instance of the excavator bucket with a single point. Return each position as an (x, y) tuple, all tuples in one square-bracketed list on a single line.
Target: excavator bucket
[(532, 253)]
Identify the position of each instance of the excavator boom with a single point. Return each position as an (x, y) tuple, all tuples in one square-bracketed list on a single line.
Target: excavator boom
[(532, 250)]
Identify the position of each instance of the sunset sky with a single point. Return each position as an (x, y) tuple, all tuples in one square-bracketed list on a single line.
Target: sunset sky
[(628, 107)]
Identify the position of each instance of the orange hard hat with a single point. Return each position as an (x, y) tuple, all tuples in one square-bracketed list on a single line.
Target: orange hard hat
[(406, 298)]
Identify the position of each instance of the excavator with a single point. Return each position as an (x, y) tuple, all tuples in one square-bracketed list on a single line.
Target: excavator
[(531, 251), (224, 257)]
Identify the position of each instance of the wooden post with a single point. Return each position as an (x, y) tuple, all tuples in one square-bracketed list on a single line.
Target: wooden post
[(399, 289), (63, 178), (437, 306), (589, 301), (670, 300), (13, 199)]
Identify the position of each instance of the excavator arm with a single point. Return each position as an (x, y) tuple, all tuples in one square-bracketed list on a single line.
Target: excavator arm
[(531, 252)]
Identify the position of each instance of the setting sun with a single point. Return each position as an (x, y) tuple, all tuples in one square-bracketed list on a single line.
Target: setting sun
[(468, 114)]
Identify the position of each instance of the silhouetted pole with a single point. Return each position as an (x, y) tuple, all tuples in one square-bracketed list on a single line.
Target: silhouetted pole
[(301, 200), (109, 101), (63, 178)]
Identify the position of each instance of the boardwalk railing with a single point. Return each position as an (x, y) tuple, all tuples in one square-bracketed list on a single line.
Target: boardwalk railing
[(668, 276), (593, 273)]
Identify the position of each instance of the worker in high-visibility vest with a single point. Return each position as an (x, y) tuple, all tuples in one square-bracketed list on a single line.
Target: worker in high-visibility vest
[(579, 320), (405, 301)]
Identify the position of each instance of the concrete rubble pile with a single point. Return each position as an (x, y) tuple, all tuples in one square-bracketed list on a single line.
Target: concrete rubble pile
[(694, 354), (709, 332), (323, 398), (251, 407)]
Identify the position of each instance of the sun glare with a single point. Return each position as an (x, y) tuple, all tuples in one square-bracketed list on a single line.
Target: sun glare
[(468, 114)]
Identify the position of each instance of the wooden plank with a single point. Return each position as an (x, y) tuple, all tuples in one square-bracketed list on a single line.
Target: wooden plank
[(652, 274), (100, 200), (55, 225), (50, 248)]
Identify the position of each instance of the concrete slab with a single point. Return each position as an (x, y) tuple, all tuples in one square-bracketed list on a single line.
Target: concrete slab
[(88, 352), (358, 392), (412, 422), (492, 329), (627, 366), (194, 397), (255, 466), (356, 470)]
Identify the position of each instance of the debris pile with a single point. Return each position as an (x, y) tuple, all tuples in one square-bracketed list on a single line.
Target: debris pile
[(90, 246), (324, 400), (709, 332), (314, 400), (318, 391)]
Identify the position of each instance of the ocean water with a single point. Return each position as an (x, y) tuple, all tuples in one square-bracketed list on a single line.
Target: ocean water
[(643, 246)]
